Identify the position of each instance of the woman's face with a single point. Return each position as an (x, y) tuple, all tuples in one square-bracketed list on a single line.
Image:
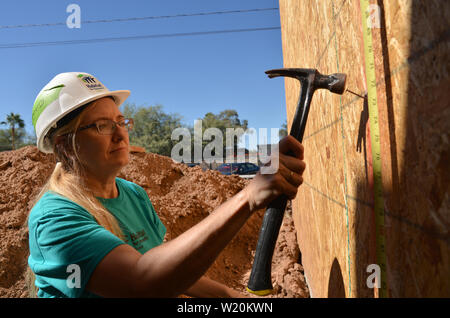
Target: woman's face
[(103, 155)]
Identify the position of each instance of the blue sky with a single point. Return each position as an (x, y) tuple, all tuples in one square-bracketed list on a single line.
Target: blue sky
[(189, 75)]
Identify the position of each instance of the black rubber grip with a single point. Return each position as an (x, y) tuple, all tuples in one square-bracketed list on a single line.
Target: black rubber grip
[(260, 281)]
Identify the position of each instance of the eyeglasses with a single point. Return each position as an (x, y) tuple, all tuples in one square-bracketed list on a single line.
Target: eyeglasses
[(108, 127)]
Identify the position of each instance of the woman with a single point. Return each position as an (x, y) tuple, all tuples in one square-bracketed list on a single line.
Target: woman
[(92, 234)]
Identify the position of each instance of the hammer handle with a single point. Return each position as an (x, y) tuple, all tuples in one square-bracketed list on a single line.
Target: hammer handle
[(260, 282)]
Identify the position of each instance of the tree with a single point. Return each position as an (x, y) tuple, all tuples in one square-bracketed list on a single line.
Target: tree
[(228, 118), (228, 124), (283, 131), (152, 128), (12, 120), (21, 138)]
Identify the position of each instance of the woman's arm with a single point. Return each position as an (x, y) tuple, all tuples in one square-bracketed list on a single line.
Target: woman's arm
[(168, 270), (172, 268)]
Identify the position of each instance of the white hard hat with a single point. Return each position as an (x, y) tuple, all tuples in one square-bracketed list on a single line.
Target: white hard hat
[(65, 93)]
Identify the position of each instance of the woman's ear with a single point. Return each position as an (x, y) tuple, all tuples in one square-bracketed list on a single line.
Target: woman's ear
[(59, 139), (62, 144)]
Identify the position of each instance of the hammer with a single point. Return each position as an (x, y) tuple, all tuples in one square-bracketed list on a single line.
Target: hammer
[(260, 282)]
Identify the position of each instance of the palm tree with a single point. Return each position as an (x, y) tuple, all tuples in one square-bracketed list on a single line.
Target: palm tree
[(12, 120)]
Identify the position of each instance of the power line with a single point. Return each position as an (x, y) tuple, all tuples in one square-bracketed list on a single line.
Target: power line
[(139, 18), (138, 37)]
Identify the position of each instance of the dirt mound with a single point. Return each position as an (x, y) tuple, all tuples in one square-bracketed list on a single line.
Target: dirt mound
[(182, 197)]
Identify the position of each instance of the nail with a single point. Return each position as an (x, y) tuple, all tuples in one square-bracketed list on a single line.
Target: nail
[(355, 93)]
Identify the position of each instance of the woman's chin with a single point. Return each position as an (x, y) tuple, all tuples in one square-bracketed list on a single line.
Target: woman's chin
[(120, 161)]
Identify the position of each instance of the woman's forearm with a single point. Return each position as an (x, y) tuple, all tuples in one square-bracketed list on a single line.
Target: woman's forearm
[(175, 266)]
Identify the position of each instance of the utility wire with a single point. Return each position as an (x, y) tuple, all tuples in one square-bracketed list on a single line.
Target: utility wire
[(138, 37), (138, 18)]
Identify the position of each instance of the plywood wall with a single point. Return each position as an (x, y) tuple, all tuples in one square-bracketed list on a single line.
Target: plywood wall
[(333, 211)]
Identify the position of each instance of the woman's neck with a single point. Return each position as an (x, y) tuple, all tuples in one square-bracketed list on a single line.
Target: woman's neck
[(103, 187)]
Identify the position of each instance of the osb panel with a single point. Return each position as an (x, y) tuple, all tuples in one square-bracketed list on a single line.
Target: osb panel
[(418, 113), (333, 211)]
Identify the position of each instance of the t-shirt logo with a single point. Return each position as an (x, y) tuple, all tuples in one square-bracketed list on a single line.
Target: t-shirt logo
[(137, 239), (90, 82)]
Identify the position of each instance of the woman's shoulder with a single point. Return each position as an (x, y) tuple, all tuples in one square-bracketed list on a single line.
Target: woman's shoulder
[(53, 203), (51, 198)]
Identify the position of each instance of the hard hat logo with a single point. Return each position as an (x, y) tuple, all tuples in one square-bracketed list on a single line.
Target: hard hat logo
[(90, 82), (88, 79)]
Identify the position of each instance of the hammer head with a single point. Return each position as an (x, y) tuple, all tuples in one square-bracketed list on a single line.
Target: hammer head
[(335, 83)]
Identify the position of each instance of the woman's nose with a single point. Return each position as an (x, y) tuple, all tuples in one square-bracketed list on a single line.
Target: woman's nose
[(120, 133)]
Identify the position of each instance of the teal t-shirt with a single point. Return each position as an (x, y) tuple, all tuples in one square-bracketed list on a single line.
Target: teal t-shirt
[(65, 240)]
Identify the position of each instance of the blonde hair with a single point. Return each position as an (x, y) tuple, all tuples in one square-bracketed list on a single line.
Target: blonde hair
[(67, 180)]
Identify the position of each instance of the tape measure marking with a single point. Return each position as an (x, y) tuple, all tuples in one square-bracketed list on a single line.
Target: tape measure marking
[(375, 144)]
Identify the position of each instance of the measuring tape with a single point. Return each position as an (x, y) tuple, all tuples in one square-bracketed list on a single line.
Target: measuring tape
[(375, 144)]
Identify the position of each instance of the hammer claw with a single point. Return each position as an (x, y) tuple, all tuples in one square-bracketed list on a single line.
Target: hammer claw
[(290, 72)]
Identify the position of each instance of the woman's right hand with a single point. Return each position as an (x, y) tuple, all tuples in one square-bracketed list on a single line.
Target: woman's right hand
[(285, 179)]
